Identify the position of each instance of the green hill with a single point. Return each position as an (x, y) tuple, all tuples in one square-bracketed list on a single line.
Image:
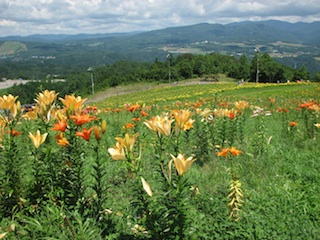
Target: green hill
[(11, 48)]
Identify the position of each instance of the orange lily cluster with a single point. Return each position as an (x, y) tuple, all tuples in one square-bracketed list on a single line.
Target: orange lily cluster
[(73, 109), (283, 110), (226, 151), (310, 105)]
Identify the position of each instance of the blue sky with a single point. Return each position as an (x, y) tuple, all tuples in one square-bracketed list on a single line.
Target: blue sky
[(27, 17)]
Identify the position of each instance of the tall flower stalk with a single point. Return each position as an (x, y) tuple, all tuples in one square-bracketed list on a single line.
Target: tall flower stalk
[(70, 125), (124, 150), (99, 171), (11, 190), (162, 127), (167, 210), (235, 192)]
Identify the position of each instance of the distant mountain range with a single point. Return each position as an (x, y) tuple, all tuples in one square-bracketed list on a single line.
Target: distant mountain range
[(260, 31), (290, 43)]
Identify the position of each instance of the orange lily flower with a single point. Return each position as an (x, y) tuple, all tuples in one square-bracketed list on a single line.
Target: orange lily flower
[(129, 125), (14, 132), (60, 126), (85, 134), (234, 151), (293, 124), (306, 104), (62, 141), (82, 119), (133, 107), (223, 153), (144, 113)]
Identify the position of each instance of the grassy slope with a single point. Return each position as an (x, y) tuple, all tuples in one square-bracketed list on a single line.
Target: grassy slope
[(9, 48), (147, 93)]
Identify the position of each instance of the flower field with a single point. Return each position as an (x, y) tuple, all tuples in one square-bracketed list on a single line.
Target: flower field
[(213, 161)]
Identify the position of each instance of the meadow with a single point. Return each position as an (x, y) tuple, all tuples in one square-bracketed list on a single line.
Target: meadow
[(204, 161)]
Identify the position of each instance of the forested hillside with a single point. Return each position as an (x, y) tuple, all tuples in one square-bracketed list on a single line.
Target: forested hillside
[(185, 66)]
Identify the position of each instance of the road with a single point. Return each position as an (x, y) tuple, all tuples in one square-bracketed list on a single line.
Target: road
[(10, 83)]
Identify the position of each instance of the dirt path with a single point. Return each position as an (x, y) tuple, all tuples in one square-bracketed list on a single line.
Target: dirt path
[(115, 91), (119, 90)]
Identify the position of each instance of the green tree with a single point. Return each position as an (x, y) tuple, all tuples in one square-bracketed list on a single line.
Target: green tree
[(185, 69), (301, 74), (316, 77), (244, 68)]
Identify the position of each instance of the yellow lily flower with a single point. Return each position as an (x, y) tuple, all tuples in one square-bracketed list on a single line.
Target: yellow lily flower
[(30, 115), (11, 108), (15, 109), (146, 187), (160, 125), (181, 163), (188, 125), (38, 139), (117, 152), (128, 141), (46, 97), (60, 115), (72, 103), (182, 117), (240, 105), (7, 102)]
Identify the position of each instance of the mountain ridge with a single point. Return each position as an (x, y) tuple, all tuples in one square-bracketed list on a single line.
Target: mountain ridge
[(213, 29)]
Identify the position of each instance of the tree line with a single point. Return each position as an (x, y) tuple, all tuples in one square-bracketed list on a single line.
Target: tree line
[(261, 68)]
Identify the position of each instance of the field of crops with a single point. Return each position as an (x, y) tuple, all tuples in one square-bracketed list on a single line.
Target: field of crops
[(206, 161)]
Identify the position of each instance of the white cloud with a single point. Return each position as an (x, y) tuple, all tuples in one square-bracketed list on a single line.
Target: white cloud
[(25, 17)]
